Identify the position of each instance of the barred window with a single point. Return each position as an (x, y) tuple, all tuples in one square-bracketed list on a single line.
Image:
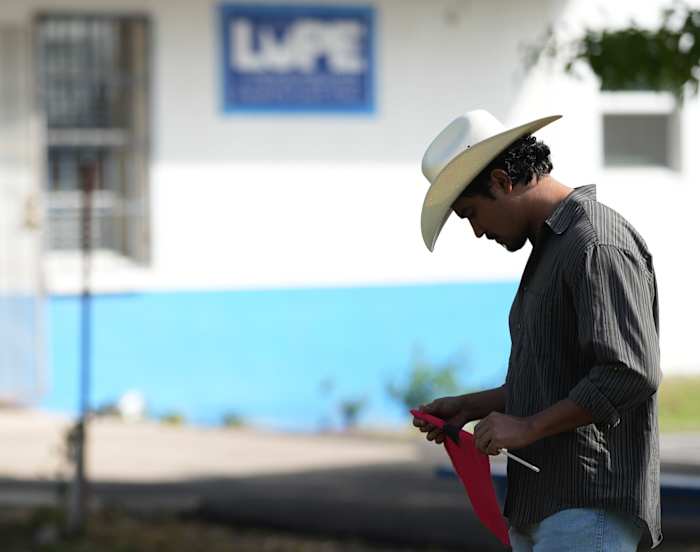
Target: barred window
[(93, 74)]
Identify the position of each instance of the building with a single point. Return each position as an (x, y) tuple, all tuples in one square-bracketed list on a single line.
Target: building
[(258, 250), (22, 358)]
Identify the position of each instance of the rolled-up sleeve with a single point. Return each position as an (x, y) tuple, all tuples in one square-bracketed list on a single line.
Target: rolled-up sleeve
[(614, 295)]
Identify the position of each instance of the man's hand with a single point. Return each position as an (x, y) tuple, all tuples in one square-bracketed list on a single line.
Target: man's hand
[(461, 409), (451, 409), (498, 431)]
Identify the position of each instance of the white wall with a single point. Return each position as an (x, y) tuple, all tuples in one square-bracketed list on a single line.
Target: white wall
[(265, 200), (273, 201), (22, 376), (661, 203), (324, 200)]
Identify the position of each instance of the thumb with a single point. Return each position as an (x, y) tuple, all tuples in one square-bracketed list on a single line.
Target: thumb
[(459, 419)]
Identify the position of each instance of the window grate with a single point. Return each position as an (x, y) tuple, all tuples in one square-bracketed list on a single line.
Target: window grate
[(93, 75)]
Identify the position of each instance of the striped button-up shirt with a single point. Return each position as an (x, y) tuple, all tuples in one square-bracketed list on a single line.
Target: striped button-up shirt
[(584, 326)]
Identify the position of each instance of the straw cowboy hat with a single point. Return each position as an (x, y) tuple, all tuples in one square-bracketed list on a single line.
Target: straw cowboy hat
[(458, 154)]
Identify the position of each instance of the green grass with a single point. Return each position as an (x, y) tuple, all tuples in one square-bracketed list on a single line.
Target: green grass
[(679, 404)]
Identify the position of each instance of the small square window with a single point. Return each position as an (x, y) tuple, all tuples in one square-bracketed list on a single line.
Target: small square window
[(639, 140)]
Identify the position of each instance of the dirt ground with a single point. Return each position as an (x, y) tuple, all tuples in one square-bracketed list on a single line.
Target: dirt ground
[(149, 453), (115, 531)]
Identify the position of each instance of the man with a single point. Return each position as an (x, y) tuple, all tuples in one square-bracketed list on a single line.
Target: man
[(579, 399)]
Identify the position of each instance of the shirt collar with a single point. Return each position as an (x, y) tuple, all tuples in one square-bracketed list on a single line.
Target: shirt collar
[(567, 209)]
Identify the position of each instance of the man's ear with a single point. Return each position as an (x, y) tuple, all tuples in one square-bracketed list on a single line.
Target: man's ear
[(501, 180)]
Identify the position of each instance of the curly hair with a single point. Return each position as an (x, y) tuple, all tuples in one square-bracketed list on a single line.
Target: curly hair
[(522, 160)]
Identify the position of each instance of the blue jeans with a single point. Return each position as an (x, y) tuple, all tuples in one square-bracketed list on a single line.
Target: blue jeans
[(579, 530)]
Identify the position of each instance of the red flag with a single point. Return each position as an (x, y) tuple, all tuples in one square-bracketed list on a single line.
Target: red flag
[(474, 469)]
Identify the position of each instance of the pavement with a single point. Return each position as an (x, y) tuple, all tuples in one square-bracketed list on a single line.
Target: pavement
[(384, 486)]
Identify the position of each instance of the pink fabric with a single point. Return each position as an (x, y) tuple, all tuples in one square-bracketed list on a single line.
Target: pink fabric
[(474, 469)]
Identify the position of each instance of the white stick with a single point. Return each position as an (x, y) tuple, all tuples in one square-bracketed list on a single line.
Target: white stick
[(526, 464)]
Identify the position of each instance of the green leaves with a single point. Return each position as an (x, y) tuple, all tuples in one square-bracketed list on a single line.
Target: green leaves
[(634, 58), (425, 382), (350, 410)]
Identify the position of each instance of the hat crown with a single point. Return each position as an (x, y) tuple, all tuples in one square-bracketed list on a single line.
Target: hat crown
[(461, 134)]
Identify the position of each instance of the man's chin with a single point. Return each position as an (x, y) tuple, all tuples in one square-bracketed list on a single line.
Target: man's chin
[(513, 247)]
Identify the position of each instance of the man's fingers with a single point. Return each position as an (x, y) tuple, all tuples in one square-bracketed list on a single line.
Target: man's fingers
[(482, 438), (420, 424), (493, 448), (434, 434), (488, 447), (426, 427), (482, 427)]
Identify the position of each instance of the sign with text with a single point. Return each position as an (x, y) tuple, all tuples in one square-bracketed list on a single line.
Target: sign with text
[(297, 58)]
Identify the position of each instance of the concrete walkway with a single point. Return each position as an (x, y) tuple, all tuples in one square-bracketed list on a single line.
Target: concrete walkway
[(153, 452)]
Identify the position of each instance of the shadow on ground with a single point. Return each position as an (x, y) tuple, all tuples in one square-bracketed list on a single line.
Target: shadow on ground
[(402, 504)]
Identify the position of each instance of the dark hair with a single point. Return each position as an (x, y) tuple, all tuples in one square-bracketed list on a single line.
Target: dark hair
[(523, 159)]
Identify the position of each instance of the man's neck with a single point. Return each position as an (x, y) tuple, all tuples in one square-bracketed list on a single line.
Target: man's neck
[(547, 194)]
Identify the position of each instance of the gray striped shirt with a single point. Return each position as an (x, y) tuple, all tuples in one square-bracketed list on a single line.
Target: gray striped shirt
[(584, 325)]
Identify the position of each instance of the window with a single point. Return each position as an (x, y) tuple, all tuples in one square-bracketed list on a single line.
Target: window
[(636, 140), (93, 72), (640, 129)]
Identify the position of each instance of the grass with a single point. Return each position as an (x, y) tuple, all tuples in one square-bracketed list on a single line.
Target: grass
[(679, 404)]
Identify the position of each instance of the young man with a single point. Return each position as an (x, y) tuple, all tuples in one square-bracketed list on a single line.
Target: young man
[(579, 399)]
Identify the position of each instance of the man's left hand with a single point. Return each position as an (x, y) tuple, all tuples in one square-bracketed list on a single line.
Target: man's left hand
[(498, 431)]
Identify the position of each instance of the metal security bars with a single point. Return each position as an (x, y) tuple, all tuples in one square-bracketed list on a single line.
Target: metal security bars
[(93, 74)]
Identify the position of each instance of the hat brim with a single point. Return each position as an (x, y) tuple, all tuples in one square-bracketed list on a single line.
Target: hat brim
[(459, 173)]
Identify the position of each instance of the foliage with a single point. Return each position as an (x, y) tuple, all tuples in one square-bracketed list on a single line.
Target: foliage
[(350, 411), (679, 408), (107, 409), (425, 383), (232, 419), (173, 418), (634, 58)]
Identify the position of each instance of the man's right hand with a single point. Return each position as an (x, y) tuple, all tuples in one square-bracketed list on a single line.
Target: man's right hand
[(451, 409)]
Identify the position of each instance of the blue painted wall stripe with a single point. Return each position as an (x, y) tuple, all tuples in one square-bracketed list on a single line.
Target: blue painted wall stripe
[(264, 354)]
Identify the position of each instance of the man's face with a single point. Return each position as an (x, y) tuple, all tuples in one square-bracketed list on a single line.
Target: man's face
[(497, 218)]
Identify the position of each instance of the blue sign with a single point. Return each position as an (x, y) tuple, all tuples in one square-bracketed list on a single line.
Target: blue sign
[(297, 58)]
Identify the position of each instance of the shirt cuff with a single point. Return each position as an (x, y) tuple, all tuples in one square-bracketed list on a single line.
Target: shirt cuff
[(588, 396)]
